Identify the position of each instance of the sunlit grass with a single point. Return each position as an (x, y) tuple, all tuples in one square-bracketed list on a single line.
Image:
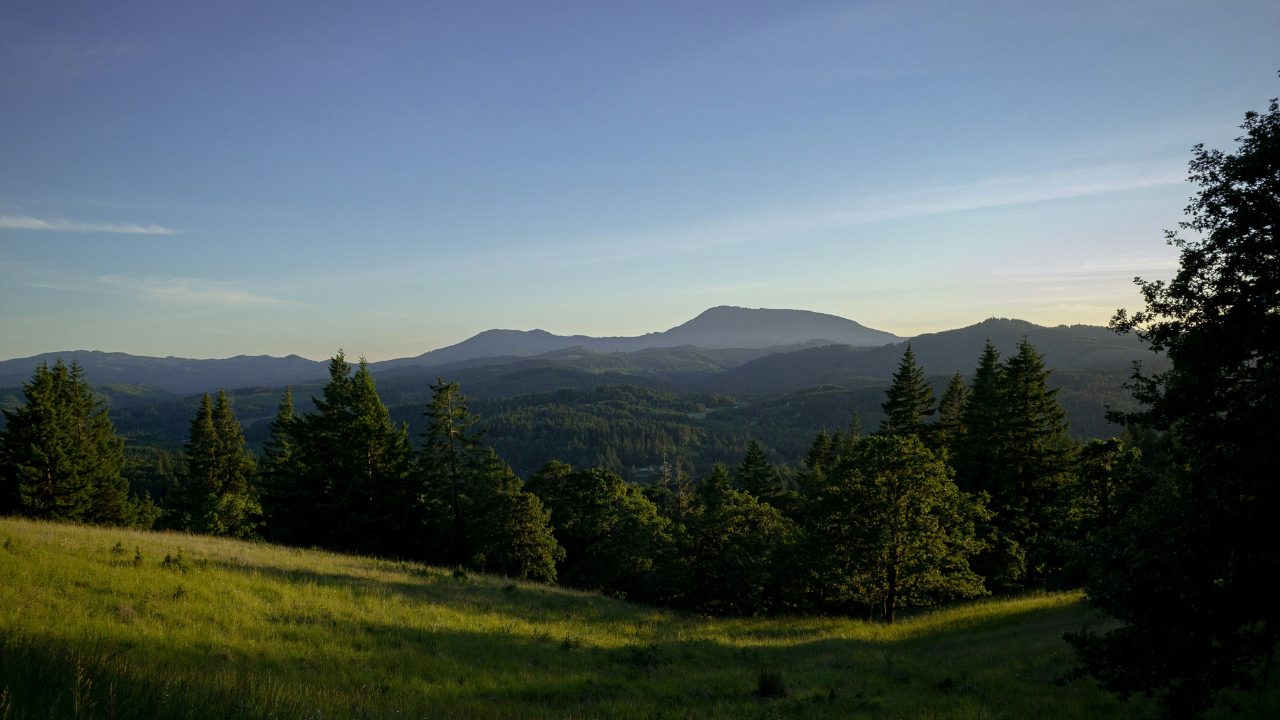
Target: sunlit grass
[(247, 630)]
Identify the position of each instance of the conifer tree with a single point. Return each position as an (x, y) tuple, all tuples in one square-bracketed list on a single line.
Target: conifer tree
[(756, 475), (1015, 449), (983, 418), (342, 477), (60, 458), (1038, 459), (216, 497), (453, 456), (614, 538), (909, 399), (731, 546), (285, 502), (950, 414), (977, 457), (482, 516)]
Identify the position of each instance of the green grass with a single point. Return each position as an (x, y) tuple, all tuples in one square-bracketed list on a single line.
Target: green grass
[(248, 630)]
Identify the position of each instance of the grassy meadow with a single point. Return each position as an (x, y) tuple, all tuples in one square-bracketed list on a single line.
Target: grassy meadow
[(89, 629)]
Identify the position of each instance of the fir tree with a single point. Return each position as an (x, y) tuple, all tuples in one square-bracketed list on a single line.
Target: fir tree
[(285, 502), (732, 544), (983, 418), (978, 455), (481, 514), (909, 399), (1038, 459), (756, 475), (216, 498), (453, 456), (60, 458), (342, 477), (951, 414)]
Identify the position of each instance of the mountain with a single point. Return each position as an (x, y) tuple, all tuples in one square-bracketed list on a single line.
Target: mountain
[(1073, 347), (178, 375), (715, 329), (720, 328)]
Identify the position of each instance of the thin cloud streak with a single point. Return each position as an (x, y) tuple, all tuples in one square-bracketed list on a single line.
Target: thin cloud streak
[(727, 231), (9, 222), (187, 290), (171, 290)]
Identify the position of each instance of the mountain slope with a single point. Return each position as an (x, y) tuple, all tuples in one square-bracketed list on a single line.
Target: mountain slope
[(717, 328), (1075, 347), (179, 375)]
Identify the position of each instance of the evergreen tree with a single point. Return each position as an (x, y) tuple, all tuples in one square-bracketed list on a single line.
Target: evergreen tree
[(60, 458), (482, 516), (285, 500), (756, 475), (891, 529), (950, 414), (453, 456), (1037, 460), (732, 543), (980, 455), (1189, 574), (508, 529), (342, 477), (216, 497), (909, 399), (614, 538)]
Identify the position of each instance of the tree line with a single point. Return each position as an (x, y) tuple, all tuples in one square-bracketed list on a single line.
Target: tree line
[(916, 514)]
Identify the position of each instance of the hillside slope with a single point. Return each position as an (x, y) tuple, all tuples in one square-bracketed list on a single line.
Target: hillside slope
[(1075, 347), (714, 329), (248, 630)]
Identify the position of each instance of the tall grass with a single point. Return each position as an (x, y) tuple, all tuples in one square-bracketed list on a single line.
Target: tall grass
[(242, 630)]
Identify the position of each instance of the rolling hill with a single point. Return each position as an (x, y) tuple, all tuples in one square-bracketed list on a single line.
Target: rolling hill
[(248, 630)]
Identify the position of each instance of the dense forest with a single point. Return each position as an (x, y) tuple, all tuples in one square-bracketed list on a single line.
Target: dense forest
[(628, 429)]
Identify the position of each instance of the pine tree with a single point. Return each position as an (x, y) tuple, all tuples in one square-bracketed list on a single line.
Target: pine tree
[(756, 475), (731, 546), (1039, 460), (909, 399), (482, 515), (342, 477), (453, 455), (1015, 449), (216, 498), (951, 414), (978, 455), (285, 502), (60, 458)]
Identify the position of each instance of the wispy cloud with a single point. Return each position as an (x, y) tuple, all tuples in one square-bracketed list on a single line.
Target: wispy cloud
[(9, 222), (196, 291)]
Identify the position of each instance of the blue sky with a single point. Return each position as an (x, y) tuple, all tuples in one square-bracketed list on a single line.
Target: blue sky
[(207, 180)]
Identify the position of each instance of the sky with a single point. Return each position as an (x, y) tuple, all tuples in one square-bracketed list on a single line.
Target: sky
[(216, 179)]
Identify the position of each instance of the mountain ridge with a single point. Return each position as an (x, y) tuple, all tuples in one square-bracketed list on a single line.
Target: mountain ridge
[(717, 328)]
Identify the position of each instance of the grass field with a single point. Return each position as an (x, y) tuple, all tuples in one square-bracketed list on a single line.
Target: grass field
[(247, 630)]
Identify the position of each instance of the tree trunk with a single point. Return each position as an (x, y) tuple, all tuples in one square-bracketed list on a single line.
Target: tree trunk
[(891, 601)]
